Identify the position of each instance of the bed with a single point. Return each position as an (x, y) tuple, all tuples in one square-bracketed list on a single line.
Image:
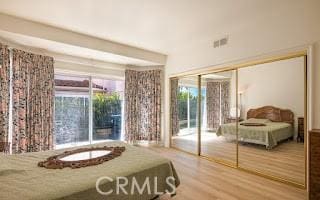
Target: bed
[(21, 178), (266, 126)]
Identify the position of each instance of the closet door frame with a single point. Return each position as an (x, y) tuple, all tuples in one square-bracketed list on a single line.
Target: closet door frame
[(307, 69), (198, 116), (212, 158)]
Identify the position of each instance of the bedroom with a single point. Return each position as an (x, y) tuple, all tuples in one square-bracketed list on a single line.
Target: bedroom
[(161, 100)]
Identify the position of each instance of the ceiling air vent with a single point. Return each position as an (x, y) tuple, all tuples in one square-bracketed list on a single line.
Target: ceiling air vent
[(220, 42)]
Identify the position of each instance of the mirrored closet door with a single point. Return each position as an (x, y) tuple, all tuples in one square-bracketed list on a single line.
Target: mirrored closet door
[(252, 116), (184, 113), (219, 110), (272, 106)]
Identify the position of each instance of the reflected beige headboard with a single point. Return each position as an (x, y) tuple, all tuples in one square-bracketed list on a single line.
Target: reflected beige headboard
[(272, 113)]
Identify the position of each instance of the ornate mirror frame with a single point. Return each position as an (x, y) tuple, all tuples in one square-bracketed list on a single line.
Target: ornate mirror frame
[(56, 162)]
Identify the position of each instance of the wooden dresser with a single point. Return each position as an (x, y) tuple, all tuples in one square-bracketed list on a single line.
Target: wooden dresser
[(314, 165), (300, 137)]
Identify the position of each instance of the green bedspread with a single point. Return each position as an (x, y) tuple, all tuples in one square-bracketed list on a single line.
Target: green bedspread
[(268, 135), (21, 178)]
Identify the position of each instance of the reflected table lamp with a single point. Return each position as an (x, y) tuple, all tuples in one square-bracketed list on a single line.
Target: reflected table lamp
[(233, 113)]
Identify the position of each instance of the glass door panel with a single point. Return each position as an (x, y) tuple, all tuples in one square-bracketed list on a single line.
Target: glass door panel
[(218, 128), (71, 123), (107, 103)]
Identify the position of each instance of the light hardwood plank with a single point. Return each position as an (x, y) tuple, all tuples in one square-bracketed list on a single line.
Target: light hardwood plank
[(203, 179), (287, 160)]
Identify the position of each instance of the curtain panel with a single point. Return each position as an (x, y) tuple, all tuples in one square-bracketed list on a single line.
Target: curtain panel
[(33, 97), (213, 105), (4, 93), (143, 105), (174, 106), (225, 101)]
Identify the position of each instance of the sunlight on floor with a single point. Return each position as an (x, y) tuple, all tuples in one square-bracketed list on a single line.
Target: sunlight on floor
[(191, 135)]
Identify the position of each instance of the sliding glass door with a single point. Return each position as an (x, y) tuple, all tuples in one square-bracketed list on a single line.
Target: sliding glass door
[(107, 109), (71, 125), (81, 100)]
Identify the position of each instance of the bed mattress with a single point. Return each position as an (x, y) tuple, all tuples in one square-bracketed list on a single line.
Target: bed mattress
[(268, 135), (21, 178)]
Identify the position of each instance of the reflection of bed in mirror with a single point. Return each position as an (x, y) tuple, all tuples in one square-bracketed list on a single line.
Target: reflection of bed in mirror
[(266, 126)]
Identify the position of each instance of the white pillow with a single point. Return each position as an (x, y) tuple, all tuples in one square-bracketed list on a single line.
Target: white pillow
[(255, 120)]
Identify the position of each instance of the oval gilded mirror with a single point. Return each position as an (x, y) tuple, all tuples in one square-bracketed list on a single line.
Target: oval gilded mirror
[(82, 157), (86, 155)]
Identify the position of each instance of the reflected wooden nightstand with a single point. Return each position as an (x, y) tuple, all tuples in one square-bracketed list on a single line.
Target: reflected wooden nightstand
[(300, 137)]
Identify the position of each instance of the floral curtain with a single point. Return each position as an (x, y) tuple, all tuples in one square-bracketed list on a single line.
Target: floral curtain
[(225, 101), (143, 105), (131, 106), (33, 93), (213, 105), (4, 92), (174, 106), (218, 103)]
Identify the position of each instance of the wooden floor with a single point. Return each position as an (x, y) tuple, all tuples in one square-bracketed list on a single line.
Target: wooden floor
[(287, 160), (202, 179)]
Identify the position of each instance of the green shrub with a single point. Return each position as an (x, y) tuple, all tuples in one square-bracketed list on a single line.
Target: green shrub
[(104, 106)]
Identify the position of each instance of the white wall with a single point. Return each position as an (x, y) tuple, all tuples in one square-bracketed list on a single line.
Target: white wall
[(279, 84), (281, 26)]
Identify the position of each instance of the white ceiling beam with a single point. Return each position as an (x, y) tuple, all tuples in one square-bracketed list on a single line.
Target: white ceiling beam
[(66, 58), (34, 29), (61, 67)]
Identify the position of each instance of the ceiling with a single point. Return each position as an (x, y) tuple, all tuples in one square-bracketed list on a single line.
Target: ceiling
[(162, 26)]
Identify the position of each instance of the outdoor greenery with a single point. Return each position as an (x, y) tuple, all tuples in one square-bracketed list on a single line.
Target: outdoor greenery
[(105, 106), (183, 105)]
